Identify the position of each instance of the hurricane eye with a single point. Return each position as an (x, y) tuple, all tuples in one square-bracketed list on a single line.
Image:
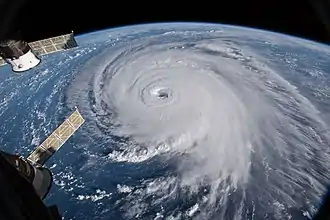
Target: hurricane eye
[(163, 95)]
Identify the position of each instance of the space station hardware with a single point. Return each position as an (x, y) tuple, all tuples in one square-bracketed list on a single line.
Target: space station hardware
[(18, 54), (53, 143), (23, 56), (40, 177), (32, 168)]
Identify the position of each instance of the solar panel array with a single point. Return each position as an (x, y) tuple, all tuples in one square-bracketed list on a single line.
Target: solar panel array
[(53, 143), (51, 45)]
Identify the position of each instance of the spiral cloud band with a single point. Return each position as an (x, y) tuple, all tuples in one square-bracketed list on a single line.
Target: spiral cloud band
[(233, 129)]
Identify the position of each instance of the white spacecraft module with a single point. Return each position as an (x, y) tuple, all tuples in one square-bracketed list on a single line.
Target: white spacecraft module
[(18, 54), (23, 56)]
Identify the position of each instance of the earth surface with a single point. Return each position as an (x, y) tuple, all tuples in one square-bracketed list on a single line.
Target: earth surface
[(183, 121)]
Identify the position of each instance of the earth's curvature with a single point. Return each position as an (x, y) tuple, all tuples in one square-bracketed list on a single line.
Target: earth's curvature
[(183, 121)]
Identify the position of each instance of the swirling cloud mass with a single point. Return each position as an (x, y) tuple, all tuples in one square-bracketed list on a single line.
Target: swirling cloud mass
[(239, 140)]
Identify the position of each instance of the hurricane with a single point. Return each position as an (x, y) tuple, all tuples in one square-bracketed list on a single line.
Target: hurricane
[(240, 141), (183, 121)]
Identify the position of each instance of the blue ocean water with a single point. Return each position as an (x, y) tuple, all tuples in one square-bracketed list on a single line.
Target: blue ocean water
[(245, 134)]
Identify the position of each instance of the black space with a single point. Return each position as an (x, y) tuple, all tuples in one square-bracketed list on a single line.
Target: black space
[(39, 19)]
